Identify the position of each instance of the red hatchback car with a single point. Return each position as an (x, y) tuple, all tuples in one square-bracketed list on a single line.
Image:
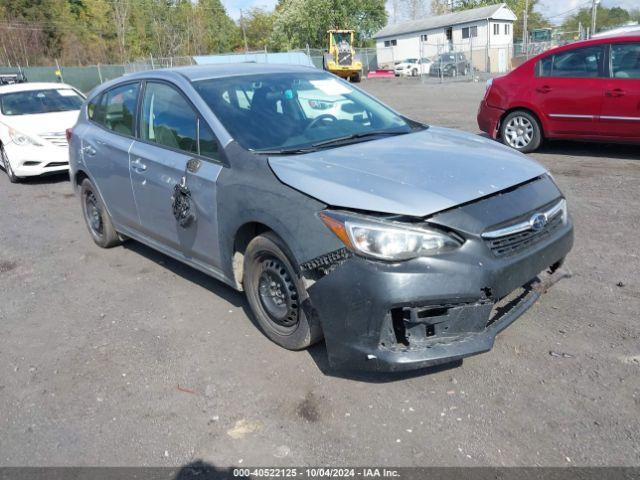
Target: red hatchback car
[(587, 90)]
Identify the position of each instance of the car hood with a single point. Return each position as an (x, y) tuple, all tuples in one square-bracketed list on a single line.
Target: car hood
[(403, 65), (42, 122), (416, 174)]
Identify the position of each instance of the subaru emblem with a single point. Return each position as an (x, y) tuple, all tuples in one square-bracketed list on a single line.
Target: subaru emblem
[(538, 222)]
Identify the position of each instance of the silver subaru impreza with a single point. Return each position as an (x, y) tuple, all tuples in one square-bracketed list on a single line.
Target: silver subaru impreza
[(403, 245)]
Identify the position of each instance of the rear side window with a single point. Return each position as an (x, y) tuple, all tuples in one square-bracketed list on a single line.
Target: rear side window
[(625, 60), (115, 109), (587, 62)]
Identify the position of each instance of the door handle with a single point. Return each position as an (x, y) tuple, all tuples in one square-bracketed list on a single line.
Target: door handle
[(89, 150), (544, 89), (616, 92), (138, 166)]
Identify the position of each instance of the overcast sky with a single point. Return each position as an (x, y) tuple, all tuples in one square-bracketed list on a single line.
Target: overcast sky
[(557, 10)]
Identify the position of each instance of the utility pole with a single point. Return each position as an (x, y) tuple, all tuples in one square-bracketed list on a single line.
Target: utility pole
[(525, 34), (244, 33), (594, 13)]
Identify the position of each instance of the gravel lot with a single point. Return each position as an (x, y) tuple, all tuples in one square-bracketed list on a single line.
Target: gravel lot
[(126, 357)]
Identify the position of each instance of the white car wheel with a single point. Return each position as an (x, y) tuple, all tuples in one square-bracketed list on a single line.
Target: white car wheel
[(6, 165)]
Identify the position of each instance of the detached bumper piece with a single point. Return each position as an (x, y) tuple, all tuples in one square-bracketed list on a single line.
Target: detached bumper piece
[(444, 333)]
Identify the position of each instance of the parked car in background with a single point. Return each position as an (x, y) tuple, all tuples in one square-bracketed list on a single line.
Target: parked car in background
[(33, 120), (397, 242), (450, 65), (412, 67), (586, 90)]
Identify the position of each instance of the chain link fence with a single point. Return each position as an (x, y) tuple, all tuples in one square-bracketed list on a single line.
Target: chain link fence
[(83, 78), (439, 62)]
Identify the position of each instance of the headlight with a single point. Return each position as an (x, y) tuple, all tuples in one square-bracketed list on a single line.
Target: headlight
[(21, 139), (387, 240)]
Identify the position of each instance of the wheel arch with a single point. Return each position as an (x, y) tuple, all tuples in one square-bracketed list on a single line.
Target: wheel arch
[(241, 239)]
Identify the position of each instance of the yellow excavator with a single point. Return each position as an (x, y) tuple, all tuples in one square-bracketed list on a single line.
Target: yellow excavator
[(341, 58)]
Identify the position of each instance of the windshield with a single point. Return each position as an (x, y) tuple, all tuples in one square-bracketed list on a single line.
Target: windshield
[(288, 111), (447, 57), (40, 101), (411, 60)]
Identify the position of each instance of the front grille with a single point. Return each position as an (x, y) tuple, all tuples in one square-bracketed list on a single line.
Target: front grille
[(344, 58), (57, 138), (517, 242)]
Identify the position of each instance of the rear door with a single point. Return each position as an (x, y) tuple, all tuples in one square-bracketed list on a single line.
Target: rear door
[(174, 169), (620, 116), (568, 88), (105, 149)]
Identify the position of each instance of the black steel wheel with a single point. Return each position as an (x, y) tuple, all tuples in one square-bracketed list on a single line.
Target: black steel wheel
[(96, 216), (276, 292)]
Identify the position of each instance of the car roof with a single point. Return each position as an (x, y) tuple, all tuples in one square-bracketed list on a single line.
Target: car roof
[(25, 87), (204, 72)]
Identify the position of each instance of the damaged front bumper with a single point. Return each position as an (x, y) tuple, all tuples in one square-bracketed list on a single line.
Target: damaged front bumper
[(431, 310)]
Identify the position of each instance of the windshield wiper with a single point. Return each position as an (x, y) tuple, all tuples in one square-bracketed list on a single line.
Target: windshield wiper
[(286, 151), (354, 136), (333, 141)]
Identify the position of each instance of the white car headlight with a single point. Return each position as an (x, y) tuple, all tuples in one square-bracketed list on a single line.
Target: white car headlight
[(22, 139), (386, 240)]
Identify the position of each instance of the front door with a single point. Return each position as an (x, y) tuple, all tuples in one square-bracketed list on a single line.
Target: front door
[(568, 89), (620, 116), (174, 170), (105, 150)]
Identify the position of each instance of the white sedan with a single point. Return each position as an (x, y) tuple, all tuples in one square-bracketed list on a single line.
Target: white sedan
[(33, 122), (412, 67)]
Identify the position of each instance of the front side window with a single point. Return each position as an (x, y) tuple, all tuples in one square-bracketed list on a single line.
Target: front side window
[(115, 109), (32, 102), (295, 110), (625, 60), (584, 62), (168, 119)]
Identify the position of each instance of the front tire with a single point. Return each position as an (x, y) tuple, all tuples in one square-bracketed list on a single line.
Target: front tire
[(521, 131), (6, 165), (96, 216), (275, 293)]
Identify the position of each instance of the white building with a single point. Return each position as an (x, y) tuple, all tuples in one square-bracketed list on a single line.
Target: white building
[(484, 34)]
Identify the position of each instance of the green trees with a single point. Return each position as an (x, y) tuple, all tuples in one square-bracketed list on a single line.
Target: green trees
[(305, 22), (78, 32), (606, 18)]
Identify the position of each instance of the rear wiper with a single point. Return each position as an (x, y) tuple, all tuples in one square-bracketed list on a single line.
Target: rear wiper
[(355, 136)]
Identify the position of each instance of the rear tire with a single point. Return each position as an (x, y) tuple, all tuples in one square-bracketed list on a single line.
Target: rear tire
[(6, 165), (521, 131), (96, 216), (275, 292)]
